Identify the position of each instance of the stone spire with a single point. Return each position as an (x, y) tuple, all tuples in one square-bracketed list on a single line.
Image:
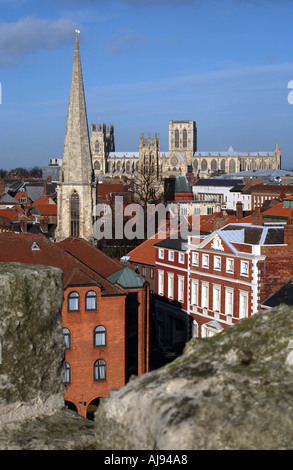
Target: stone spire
[(77, 160)]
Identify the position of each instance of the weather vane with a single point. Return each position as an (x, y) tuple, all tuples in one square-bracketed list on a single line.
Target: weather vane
[(77, 31)]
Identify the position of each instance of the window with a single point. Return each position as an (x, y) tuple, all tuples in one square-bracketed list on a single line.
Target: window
[(217, 263), (216, 297), (66, 334), (229, 301), (244, 268), (91, 300), (100, 370), (194, 292), (230, 265), (74, 214), (67, 374), (205, 294), (170, 285), (143, 271), (194, 259), (181, 258), (161, 254), (243, 304), (184, 138), (176, 138), (73, 302), (205, 261), (180, 288), (171, 256), (161, 282), (100, 336), (152, 273)]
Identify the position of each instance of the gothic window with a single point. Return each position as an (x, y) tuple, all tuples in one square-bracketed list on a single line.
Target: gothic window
[(223, 165), (97, 165), (184, 138), (176, 138), (204, 165), (97, 146), (100, 336), (74, 215), (128, 167), (73, 302), (91, 300), (100, 370), (195, 165), (232, 166), (118, 166), (214, 165)]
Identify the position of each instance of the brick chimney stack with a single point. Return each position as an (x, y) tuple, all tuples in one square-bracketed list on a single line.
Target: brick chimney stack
[(239, 210), (256, 218)]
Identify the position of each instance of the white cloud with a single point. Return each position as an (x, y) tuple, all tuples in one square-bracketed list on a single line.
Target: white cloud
[(124, 39), (30, 34)]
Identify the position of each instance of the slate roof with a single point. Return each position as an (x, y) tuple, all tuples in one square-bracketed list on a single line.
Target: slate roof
[(284, 295), (219, 182)]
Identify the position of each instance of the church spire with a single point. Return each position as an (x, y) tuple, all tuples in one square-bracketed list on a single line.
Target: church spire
[(77, 159)]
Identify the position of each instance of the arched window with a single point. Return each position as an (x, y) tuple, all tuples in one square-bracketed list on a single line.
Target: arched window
[(100, 370), (97, 146), (97, 165), (67, 374), (74, 214), (91, 300), (118, 166), (66, 334), (232, 166), (195, 165), (128, 167), (100, 336), (223, 165), (214, 165), (204, 165), (176, 138), (184, 138), (73, 302)]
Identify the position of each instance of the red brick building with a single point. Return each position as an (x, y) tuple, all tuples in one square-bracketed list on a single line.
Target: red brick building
[(233, 270), (261, 193), (105, 315)]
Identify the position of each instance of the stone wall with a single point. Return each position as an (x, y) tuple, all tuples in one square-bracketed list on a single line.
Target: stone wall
[(229, 392), (32, 344)]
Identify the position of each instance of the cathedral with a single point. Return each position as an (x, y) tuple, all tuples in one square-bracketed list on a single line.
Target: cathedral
[(181, 158)]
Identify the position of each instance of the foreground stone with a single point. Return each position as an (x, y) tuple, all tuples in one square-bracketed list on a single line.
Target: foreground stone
[(231, 391), (31, 340)]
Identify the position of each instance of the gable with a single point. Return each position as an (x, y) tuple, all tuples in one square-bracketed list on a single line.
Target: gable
[(215, 242)]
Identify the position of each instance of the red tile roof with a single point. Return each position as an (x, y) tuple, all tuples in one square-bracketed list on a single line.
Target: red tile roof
[(18, 248)]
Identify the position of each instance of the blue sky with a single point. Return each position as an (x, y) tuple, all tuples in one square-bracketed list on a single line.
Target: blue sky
[(223, 63)]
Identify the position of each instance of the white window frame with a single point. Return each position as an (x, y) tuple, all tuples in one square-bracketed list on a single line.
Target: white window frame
[(217, 266), (204, 298), (228, 261), (229, 299), (181, 257), (216, 297), (194, 293), (160, 282), (170, 285), (205, 257), (161, 253), (243, 303), (180, 288), (170, 255), (243, 271), (194, 258)]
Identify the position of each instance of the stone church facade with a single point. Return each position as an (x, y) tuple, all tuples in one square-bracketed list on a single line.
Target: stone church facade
[(181, 158)]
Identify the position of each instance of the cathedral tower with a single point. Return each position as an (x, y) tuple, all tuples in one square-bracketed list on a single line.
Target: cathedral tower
[(76, 195)]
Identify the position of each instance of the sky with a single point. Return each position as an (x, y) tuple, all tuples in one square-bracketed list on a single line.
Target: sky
[(225, 64)]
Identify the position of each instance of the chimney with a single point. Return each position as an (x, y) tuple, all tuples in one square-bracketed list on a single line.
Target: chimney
[(239, 210), (2, 187), (45, 188), (288, 233), (49, 179), (256, 218)]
